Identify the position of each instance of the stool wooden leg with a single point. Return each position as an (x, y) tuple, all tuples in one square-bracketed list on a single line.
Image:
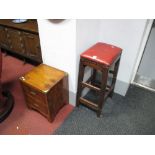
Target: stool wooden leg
[(102, 92), (114, 77), (93, 76), (80, 79)]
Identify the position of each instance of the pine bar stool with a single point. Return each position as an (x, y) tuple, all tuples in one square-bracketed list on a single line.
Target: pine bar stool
[(104, 58)]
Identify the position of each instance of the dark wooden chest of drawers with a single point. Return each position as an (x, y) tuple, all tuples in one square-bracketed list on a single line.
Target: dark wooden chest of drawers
[(46, 90), (21, 39)]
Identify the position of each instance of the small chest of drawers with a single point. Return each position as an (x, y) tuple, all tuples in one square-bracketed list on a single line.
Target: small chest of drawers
[(46, 90)]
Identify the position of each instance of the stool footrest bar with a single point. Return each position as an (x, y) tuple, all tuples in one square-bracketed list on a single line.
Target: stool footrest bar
[(88, 103), (84, 84)]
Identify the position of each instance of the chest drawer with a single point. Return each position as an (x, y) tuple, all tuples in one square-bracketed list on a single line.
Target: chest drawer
[(43, 109), (32, 46), (14, 38), (3, 37), (34, 94), (35, 100)]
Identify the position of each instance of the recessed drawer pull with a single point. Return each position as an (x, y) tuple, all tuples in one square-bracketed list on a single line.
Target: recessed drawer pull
[(31, 37), (8, 35), (33, 93), (36, 105), (22, 45), (32, 55)]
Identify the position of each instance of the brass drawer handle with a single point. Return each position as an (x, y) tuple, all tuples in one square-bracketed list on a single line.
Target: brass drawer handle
[(33, 93)]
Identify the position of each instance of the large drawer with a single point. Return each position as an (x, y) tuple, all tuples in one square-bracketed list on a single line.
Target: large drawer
[(34, 94), (36, 100), (43, 109)]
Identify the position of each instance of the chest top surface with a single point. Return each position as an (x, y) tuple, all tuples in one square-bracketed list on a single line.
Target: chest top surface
[(43, 77)]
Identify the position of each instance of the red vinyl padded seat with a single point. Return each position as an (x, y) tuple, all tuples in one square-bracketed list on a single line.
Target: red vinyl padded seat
[(102, 53)]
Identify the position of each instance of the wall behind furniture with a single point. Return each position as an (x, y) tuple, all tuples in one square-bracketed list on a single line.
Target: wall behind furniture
[(127, 34), (58, 42), (62, 44), (87, 34)]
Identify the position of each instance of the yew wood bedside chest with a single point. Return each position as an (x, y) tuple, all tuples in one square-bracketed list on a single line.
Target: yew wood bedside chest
[(46, 90)]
